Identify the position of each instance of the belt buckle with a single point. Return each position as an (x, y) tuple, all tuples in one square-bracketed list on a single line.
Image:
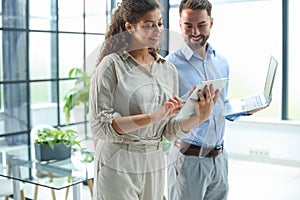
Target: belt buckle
[(219, 148), (218, 151)]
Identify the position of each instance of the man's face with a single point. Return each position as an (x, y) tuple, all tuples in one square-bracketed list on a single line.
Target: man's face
[(195, 26)]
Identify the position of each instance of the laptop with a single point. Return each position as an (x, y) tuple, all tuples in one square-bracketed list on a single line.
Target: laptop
[(188, 108), (256, 101)]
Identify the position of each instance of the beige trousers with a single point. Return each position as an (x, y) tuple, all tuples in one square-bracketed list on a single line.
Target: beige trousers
[(128, 172)]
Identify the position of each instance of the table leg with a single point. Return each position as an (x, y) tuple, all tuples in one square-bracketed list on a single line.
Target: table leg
[(36, 190), (16, 183), (90, 184), (77, 191)]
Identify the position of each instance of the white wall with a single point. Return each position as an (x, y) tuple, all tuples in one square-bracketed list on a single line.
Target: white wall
[(267, 141)]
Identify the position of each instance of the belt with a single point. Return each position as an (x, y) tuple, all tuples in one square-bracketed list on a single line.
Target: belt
[(193, 150), (140, 147)]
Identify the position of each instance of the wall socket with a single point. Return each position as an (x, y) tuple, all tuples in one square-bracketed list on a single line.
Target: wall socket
[(259, 152)]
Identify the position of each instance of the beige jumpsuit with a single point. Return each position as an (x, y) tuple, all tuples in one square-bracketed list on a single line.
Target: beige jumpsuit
[(130, 166)]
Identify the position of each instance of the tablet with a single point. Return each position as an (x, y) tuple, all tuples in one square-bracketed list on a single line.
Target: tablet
[(188, 108)]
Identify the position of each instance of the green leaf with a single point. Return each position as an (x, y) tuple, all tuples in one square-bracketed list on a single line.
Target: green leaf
[(51, 137), (77, 95)]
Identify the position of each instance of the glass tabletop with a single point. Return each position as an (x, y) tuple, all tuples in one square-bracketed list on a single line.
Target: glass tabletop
[(53, 174)]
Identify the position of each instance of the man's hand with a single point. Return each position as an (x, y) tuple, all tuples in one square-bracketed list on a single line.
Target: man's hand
[(258, 109)]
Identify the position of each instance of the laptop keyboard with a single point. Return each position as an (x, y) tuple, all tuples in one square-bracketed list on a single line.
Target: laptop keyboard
[(251, 102)]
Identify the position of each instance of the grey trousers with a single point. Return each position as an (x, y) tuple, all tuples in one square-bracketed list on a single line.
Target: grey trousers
[(197, 178), (128, 172)]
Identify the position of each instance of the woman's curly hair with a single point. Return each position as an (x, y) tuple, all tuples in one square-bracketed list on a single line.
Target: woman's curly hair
[(117, 38)]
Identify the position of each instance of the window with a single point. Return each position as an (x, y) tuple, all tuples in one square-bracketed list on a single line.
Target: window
[(38, 49)]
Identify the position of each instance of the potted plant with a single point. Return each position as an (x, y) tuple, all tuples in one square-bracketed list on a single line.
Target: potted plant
[(55, 144)]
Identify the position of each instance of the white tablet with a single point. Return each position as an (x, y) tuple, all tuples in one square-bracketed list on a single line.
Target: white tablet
[(189, 108)]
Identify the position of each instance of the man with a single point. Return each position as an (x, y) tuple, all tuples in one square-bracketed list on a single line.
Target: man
[(198, 162)]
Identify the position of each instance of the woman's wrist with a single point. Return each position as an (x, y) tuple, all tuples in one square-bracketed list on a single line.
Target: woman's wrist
[(158, 115)]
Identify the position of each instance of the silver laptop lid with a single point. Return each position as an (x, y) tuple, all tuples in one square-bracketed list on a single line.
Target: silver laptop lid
[(270, 77)]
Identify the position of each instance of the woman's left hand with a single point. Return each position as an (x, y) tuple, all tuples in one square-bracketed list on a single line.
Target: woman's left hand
[(206, 102)]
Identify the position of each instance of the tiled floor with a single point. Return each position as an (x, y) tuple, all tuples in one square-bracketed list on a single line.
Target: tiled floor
[(248, 181)]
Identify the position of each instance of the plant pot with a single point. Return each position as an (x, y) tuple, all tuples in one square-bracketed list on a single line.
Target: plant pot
[(43, 152)]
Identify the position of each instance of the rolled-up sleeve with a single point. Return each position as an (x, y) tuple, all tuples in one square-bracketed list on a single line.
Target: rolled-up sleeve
[(102, 85), (173, 129)]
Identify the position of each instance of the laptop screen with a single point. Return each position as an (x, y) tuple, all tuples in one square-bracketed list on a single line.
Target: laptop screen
[(270, 76)]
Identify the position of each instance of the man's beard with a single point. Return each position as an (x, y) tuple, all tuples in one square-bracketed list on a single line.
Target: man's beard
[(197, 45)]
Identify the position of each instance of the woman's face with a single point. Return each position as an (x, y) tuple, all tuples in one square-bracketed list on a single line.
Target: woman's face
[(147, 32)]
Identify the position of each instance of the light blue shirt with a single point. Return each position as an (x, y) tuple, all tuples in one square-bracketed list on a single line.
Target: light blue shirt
[(192, 69)]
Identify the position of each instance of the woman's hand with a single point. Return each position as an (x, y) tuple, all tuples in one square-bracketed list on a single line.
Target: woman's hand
[(123, 125), (203, 107), (206, 102), (170, 107)]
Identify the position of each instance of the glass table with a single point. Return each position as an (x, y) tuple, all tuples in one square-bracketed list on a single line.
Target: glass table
[(55, 175)]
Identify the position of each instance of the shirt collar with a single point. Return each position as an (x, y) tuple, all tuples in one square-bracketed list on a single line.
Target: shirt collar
[(125, 55), (188, 52)]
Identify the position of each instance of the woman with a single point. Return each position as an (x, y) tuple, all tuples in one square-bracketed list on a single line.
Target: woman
[(132, 104)]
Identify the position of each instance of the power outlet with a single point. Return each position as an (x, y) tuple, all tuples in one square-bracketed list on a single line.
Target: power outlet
[(259, 152)]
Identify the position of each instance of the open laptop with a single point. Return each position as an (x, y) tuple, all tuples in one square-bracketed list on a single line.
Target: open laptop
[(256, 101)]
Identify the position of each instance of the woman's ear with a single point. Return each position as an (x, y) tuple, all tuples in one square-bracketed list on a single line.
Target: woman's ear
[(129, 27)]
